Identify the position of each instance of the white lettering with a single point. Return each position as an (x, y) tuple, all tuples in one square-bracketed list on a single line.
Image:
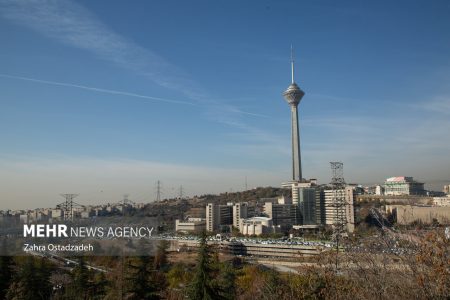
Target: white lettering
[(42, 230), (28, 230)]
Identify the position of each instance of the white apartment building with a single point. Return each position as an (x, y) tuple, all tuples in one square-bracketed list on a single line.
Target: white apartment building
[(190, 225), (240, 211), (217, 215), (256, 226), (402, 185), (330, 210)]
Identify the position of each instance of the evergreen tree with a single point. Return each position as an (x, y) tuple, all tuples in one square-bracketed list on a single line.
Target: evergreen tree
[(140, 284), (80, 286), (42, 275), (6, 274), (227, 282), (160, 261), (201, 287), (6, 269), (27, 284), (99, 286), (272, 285)]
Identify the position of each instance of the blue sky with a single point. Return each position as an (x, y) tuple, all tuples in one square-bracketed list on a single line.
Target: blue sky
[(104, 98)]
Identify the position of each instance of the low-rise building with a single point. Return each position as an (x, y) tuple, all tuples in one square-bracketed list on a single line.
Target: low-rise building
[(256, 226), (403, 185), (191, 225), (375, 190), (407, 214), (24, 218), (446, 189), (441, 201), (196, 212)]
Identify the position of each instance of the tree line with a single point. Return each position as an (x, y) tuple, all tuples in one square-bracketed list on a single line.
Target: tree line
[(423, 273)]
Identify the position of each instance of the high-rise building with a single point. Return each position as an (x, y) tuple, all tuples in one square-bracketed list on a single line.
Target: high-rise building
[(330, 209), (307, 206), (240, 211), (447, 189), (217, 215), (282, 214), (403, 185)]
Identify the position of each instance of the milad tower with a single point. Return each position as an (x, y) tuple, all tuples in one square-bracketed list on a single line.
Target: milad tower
[(303, 191), (293, 95)]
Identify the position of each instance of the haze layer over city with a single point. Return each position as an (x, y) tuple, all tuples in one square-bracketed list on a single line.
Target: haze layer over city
[(105, 102)]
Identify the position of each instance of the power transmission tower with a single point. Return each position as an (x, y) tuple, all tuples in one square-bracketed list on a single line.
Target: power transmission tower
[(68, 205), (339, 205), (126, 201), (246, 186), (158, 190), (180, 194)]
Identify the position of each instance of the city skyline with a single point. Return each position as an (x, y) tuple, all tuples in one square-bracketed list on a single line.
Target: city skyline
[(107, 102)]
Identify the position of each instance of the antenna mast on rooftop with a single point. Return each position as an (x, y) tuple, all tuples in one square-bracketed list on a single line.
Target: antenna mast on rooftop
[(292, 64)]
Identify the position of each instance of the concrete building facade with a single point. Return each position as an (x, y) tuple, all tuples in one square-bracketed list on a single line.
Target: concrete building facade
[(403, 185), (441, 201), (282, 214), (307, 206), (240, 211), (407, 214), (330, 210), (196, 225), (256, 226), (217, 215), (446, 189), (375, 190)]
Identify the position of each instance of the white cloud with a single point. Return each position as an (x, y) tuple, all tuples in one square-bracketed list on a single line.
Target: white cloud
[(440, 104), (96, 89), (73, 25)]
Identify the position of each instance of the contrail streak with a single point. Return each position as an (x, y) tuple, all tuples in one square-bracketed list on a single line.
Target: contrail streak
[(100, 90)]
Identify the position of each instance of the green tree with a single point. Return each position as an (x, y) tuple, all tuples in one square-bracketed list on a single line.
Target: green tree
[(80, 286), (6, 274), (226, 282), (140, 284), (160, 261), (32, 282), (43, 274), (6, 269), (201, 287), (99, 286)]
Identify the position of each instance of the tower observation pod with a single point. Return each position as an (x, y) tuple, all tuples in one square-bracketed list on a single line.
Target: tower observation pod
[(293, 95)]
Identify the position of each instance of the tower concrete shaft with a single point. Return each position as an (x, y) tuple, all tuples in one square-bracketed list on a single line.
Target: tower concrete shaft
[(296, 157), (293, 95)]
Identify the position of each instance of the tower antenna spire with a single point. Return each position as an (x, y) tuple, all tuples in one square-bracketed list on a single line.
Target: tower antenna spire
[(292, 63)]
